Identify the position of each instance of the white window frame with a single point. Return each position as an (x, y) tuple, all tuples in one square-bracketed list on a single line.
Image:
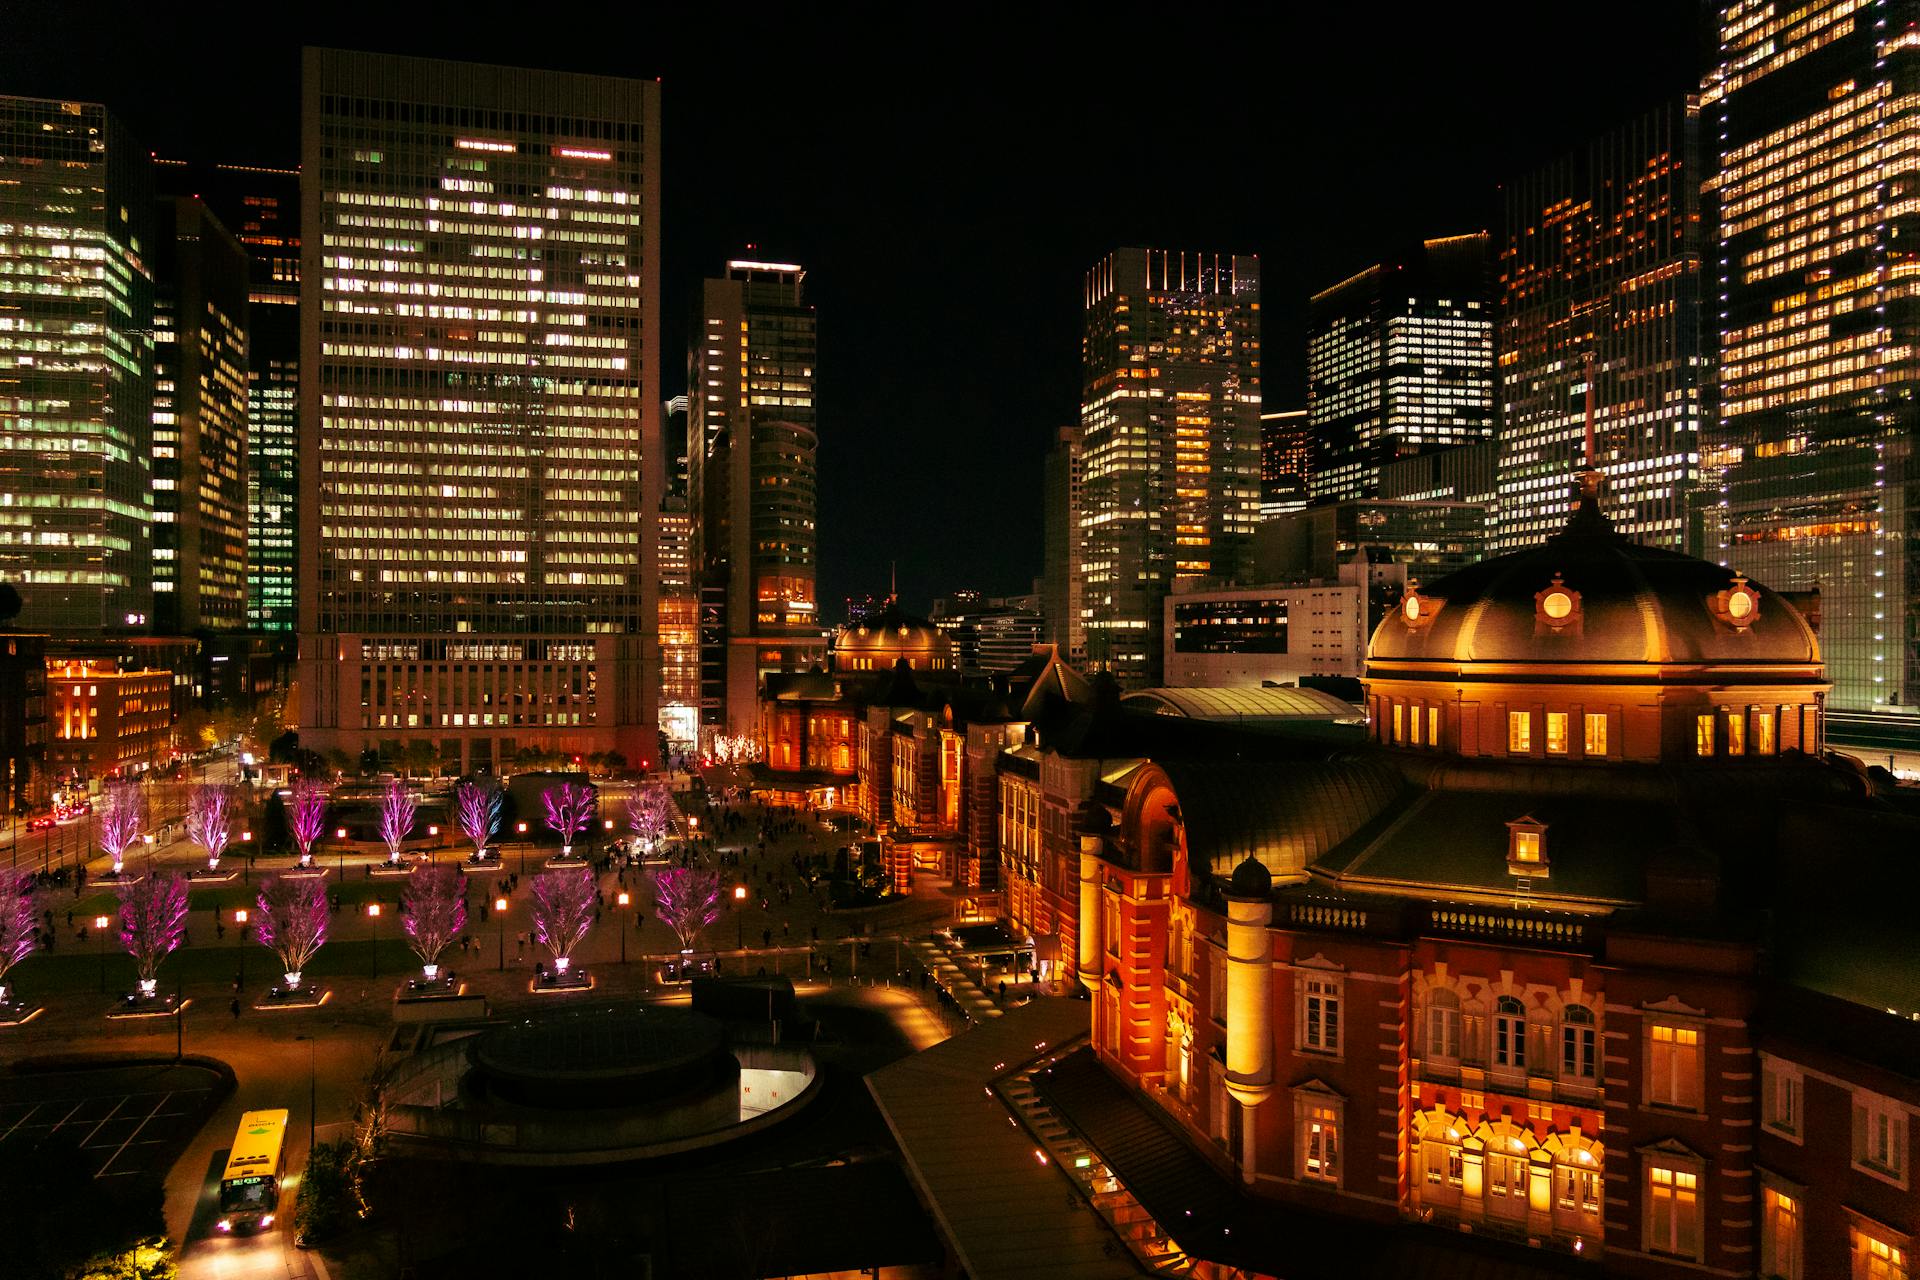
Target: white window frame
[(1587, 1036), (1319, 992), (1676, 1170), (1880, 1137), (1778, 1258), (1509, 1035), (1783, 1098), (1663, 1086), (1889, 1262), (1320, 1150), (1445, 1025)]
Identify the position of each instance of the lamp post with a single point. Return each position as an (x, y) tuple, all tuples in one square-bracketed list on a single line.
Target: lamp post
[(433, 850), (100, 927), (240, 920), (340, 848), (739, 921), (246, 837), (521, 829), (500, 910), (373, 914), (622, 899), (313, 1094)]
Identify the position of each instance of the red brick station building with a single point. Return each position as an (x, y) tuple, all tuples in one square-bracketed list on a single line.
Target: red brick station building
[(1581, 955)]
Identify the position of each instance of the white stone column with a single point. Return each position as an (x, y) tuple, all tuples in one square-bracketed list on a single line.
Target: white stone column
[(1249, 1013)]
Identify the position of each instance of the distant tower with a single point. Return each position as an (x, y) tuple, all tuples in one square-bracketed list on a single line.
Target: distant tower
[(753, 476), (1169, 440), (1399, 363), (1063, 599)]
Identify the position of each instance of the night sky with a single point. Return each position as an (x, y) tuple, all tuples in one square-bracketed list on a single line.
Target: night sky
[(948, 172)]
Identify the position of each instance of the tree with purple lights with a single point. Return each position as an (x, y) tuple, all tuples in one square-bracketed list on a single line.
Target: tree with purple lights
[(210, 821), (436, 908), (562, 912), (477, 805), (307, 818), (18, 936), (569, 810), (153, 921), (121, 818), (687, 900), (649, 816), (292, 922), (397, 811)]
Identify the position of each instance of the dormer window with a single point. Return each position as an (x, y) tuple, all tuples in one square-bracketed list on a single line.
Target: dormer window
[(1738, 605), (1527, 848), (1418, 611), (1556, 608)]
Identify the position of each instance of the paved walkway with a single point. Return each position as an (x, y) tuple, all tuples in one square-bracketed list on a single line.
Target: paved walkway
[(1006, 1210)]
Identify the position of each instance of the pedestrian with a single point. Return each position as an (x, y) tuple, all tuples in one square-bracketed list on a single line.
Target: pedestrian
[(235, 1006), (69, 917)]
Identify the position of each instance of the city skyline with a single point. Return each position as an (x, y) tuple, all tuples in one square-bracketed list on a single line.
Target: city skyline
[(895, 177)]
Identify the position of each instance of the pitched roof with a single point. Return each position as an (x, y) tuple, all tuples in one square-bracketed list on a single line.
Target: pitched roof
[(1284, 814), (1251, 705)]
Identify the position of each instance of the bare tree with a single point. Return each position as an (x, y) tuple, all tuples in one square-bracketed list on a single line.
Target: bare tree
[(153, 921), (121, 818), (18, 937), (210, 820), (436, 906), (477, 805), (649, 816), (307, 818), (397, 812), (562, 911), (293, 922), (569, 809), (687, 900)]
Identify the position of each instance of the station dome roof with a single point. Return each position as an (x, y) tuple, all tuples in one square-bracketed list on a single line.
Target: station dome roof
[(1589, 595)]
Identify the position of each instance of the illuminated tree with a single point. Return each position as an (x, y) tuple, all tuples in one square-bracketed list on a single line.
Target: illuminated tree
[(121, 818), (153, 921), (397, 811), (569, 808), (649, 816), (307, 817), (292, 922), (210, 821), (687, 900), (436, 907), (18, 936), (562, 912), (735, 748), (477, 805)]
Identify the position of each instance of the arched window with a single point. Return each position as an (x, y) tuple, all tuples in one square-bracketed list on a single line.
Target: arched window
[(1577, 1188), (1509, 1033), (1577, 1042), (1443, 1026)]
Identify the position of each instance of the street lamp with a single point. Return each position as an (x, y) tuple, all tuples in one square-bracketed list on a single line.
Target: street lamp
[(622, 899), (500, 909), (313, 1093), (340, 850), (100, 927), (373, 914), (739, 921), (521, 829), (240, 919)]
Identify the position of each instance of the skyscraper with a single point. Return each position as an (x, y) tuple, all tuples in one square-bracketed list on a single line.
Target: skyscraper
[(1169, 439), (1819, 329), (753, 473), (199, 422), (1399, 362), (1600, 282), (1286, 462), (260, 205), (480, 427), (1061, 598), (76, 367)]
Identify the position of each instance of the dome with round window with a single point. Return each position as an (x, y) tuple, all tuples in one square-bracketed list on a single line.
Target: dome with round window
[(1589, 595), (880, 640)]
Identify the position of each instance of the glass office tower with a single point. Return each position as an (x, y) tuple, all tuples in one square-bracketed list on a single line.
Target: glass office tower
[(76, 367), (1818, 289), (1601, 270), (1169, 440), (480, 410)]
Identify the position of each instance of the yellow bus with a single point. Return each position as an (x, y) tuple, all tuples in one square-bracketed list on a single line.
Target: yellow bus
[(250, 1186)]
